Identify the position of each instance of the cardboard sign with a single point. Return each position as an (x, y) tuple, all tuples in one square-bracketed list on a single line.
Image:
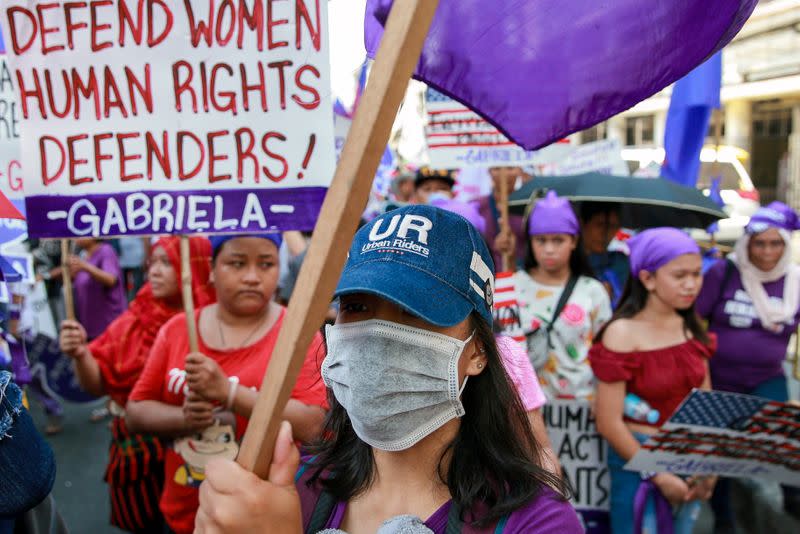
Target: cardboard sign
[(728, 434), (153, 117), (458, 137), (12, 231), (583, 453), (506, 307), (599, 156)]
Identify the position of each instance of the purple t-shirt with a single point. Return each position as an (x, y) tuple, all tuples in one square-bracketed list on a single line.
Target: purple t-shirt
[(747, 354), (96, 306), (547, 513)]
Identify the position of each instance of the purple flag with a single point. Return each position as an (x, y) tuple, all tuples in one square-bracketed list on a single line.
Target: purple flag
[(542, 69)]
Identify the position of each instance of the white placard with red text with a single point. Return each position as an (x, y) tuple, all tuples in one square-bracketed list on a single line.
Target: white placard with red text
[(156, 116)]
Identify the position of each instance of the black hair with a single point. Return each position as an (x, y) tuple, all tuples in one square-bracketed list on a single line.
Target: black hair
[(633, 300), (494, 459), (587, 210)]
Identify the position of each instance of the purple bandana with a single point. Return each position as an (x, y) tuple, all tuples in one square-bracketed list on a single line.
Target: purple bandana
[(654, 248), (553, 215), (775, 215)]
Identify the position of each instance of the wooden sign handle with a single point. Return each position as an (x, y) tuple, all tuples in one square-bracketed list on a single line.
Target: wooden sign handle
[(186, 288), (399, 53), (505, 227), (66, 281)]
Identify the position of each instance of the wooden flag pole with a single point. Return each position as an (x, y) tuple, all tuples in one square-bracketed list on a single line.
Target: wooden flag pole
[(508, 257), (66, 280), (186, 288), (399, 53)]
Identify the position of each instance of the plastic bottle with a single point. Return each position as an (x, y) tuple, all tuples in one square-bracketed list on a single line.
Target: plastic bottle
[(638, 410), (686, 517)]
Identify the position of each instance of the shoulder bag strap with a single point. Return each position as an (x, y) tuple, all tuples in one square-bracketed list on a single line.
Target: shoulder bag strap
[(562, 302), (322, 512)]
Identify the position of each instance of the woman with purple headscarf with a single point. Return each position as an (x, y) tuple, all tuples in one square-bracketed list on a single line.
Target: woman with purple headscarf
[(752, 303), (655, 348), (562, 305)]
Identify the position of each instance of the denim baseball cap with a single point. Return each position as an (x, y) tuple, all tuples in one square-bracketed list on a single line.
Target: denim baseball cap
[(432, 262)]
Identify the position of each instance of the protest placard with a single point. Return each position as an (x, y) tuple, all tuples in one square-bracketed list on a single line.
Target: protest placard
[(151, 117), (729, 434), (582, 452), (604, 156), (11, 183), (458, 137), (506, 307)]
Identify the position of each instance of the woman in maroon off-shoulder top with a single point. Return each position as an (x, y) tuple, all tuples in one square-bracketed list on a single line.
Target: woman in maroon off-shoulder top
[(654, 347)]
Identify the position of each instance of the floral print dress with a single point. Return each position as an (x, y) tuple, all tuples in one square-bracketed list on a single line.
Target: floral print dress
[(565, 372)]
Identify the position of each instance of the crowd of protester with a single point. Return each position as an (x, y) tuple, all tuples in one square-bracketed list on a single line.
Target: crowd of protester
[(412, 410)]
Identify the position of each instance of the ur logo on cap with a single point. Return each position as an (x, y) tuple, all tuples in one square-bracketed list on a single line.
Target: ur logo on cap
[(403, 233), (431, 262)]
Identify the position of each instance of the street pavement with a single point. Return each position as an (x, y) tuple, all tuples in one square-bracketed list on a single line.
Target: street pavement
[(81, 451)]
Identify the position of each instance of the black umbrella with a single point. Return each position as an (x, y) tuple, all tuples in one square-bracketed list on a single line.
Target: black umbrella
[(646, 202)]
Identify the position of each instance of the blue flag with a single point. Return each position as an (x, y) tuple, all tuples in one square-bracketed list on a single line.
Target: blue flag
[(693, 99)]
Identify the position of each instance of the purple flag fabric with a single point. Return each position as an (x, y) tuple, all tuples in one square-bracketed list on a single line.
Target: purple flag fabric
[(542, 69)]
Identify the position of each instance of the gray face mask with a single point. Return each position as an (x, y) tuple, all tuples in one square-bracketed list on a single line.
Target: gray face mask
[(397, 383)]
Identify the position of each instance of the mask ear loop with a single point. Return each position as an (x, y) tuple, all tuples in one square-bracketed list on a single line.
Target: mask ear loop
[(464, 383)]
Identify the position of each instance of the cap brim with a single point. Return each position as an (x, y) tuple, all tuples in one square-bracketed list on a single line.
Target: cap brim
[(426, 296)]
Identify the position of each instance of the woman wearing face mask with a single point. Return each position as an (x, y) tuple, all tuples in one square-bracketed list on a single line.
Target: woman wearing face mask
[(179, 395), (654, 347), (111, 364), (425, 431), (752, 303), (562, 306)]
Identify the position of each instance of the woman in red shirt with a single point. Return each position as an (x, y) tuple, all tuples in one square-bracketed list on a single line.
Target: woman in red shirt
[(111, 364), (203, 400), (655, 348)]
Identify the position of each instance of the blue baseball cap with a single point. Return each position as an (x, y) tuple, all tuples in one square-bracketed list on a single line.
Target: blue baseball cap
[(430, 261)]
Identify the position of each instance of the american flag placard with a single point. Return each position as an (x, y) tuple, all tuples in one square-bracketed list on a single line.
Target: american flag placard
[(730, 434), (458, 137)]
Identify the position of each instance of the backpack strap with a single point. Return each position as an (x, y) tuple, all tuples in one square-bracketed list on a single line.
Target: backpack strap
[(454, 523), (501, 525), (322, 513)]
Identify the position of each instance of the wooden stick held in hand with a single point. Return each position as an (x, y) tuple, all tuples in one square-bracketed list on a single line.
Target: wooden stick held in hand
[(399, 53), (66, 280), (505, 227), (186, 288)]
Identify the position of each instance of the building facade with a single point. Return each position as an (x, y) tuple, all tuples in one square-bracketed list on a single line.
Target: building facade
[(760, 98)]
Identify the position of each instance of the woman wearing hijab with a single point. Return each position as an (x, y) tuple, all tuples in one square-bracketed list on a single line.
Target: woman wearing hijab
[(202, 400), (654, 347), (111, 364), (562, 305), (752, 303), (425, 433)]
